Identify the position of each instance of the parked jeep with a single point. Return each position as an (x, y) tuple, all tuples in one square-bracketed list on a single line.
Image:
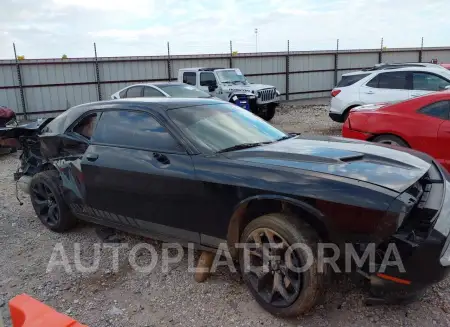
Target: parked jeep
[(226, 83)]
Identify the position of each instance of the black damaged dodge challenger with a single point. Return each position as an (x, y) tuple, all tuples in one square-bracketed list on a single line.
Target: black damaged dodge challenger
[(206, 172)]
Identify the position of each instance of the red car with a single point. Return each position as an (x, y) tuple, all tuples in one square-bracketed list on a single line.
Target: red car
[(421, 123), (446, 66)]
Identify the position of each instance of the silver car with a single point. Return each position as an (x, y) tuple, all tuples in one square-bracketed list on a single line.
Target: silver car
[(160, 89)]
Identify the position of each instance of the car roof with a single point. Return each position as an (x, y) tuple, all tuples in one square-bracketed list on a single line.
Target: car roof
[(432, 69), (157, 84), (60, 124)]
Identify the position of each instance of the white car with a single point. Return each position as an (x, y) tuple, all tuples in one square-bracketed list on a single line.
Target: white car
[(160, 89), (387, 83)]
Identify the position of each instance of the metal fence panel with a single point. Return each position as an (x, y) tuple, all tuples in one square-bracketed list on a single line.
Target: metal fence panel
[(11, 99), (307, 82), (262, 65), (311, 74), (357, 60), (8, 76), (403, 56), (311, 62), (442, 56)]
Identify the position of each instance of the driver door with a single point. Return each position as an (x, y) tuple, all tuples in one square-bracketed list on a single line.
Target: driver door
[(208, 82), (424, 83)]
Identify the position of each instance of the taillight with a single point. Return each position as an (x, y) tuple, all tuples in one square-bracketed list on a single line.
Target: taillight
[(335, 92)]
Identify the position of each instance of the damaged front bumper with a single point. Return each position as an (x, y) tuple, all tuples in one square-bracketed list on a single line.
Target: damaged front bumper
[(423, 241)]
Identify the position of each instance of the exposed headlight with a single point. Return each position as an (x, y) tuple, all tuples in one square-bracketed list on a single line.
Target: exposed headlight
[(277, 93)]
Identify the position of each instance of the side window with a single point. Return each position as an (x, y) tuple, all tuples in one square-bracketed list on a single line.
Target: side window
[(134, 92), (373, 82), (190, 78), (150, 92), (428, 82), (207, 79), (85, 126), (439, 110), (122, 94), (134, 129), (351, 79), (391, 80)]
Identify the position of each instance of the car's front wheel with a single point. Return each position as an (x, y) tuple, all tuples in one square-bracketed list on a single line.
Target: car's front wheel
[(274, 261), (267, 112), (48, 203)]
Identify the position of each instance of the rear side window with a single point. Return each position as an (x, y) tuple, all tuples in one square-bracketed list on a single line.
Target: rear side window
[(428, 82), (351, 79), (189, 78), (122, 94), (85, 127), (150, 92), (135, 92), (391, 80), (134, 129), (439, 110)]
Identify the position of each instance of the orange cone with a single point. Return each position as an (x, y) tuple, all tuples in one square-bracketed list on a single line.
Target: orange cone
[(28, 312)]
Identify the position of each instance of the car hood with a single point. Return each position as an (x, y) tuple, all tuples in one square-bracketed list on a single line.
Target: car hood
[(246, 87), (392, 168)]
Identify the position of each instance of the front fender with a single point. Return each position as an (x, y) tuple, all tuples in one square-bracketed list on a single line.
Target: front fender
[(237, 220)]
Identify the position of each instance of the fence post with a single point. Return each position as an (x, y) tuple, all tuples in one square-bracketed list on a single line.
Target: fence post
[(287, 71), (97, 74), (421, 51), (231, 54), (169, 68), (19, 77), (380, 54), (336, 63)]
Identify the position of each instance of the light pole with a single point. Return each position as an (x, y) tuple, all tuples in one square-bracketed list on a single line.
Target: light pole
[(256, 39)]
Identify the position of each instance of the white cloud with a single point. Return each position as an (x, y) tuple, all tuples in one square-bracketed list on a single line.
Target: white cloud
[(142, 27)]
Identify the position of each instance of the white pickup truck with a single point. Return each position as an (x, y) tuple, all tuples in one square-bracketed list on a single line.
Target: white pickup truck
[(229, 83)]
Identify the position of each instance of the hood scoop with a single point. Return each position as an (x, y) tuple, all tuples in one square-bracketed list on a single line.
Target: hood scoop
[(351, 158)]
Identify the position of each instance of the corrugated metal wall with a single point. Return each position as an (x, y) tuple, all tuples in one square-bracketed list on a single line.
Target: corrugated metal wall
[(50, 86)]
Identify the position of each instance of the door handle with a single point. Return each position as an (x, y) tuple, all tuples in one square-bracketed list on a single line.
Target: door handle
[(162, 158), (91, 156), (369, 92)]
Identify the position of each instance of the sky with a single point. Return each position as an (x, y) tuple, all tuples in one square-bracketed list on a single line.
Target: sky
[(51, 28)]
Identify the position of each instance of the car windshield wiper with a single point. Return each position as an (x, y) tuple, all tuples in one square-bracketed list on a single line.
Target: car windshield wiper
[(241, 146), (286, 137)]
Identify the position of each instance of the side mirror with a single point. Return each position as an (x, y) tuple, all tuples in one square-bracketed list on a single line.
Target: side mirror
[(443, 88), (447, 87), (212, 87)]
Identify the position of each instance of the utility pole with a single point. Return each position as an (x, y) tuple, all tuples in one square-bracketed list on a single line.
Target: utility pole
[(256, 39)]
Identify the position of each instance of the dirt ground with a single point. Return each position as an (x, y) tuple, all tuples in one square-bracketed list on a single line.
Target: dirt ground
[(130, 298)]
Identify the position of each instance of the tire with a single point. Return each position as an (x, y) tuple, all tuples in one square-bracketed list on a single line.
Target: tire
[(48, 203), (267, 114), (391, 140), (310, 284)]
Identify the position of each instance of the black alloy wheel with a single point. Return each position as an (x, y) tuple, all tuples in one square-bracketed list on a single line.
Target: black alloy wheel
[(45, 204), (269, 270)]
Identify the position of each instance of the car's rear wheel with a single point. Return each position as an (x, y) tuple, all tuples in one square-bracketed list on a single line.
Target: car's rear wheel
[(390, 140), (48, 203), (278, 284)]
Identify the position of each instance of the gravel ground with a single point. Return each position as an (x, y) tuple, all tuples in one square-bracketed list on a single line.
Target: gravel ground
[(130, 298)]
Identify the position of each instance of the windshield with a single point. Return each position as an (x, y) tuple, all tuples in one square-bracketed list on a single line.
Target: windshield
[(231, 76), (184, 91), (213, 128)]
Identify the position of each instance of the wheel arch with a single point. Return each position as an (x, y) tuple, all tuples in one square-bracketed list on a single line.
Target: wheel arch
[(374, 136), (256, 206)]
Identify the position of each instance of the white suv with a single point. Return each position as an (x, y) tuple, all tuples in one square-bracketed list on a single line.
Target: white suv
[(386, 83)]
